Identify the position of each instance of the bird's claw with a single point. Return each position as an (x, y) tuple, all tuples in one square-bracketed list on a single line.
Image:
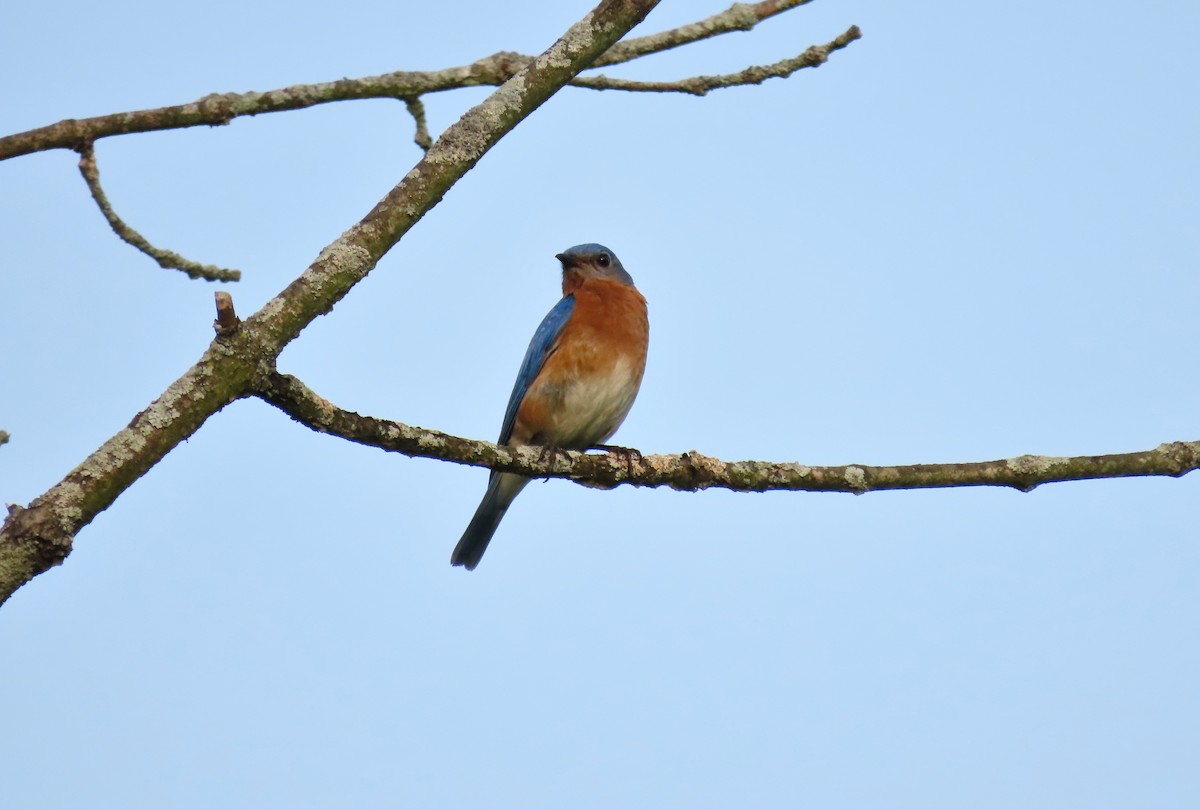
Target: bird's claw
[(627, 453), (549, 455)]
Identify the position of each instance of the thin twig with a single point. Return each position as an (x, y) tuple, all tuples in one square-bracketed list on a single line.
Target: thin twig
[(692, 471), (416, 108), (166, 258), (738, 17), (815, 56)]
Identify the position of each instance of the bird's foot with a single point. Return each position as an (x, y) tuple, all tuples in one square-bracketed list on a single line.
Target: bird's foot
[(627, 453), (549, 455)]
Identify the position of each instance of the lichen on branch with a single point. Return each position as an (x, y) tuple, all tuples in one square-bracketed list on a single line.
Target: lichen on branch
[(692, 471)]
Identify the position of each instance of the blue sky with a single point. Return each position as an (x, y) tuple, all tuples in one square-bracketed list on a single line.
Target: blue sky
[(971, 235)]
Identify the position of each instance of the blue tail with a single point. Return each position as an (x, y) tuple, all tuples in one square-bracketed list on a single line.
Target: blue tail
[(502, 489)]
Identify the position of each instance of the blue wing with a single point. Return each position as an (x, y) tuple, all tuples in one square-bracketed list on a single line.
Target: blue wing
[(535, 357)]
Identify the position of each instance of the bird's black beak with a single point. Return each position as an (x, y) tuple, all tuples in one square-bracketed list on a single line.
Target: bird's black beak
[(567, 261)]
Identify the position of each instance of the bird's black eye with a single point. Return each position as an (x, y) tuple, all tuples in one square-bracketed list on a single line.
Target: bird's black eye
[(602, 260)]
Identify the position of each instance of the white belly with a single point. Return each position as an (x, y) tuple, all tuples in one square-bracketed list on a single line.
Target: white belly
[(594, 407)]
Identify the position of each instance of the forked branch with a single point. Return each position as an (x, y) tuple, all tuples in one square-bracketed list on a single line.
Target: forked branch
[(815, 56), (221, 108), (408, 86)]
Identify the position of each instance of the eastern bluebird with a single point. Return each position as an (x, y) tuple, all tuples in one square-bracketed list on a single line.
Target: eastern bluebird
[(577, 382)]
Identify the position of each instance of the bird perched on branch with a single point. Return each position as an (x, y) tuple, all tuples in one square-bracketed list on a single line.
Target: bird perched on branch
[(577, 382)]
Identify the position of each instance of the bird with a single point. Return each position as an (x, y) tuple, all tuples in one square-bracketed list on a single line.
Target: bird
[(580, 375)]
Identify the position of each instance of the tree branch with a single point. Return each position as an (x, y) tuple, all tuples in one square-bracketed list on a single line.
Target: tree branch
[(166, 259), (692, 471), (221, 108), (815, 56), (38, 537), (227, 322), (738, 17)]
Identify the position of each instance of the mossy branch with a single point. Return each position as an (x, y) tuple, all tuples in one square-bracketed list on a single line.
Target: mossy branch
[(166, 259), (692, 471)]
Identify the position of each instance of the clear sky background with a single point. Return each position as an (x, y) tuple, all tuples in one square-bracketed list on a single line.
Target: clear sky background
[(973, 234)]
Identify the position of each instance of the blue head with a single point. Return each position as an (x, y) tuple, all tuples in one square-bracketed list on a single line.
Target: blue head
[(593, 261)]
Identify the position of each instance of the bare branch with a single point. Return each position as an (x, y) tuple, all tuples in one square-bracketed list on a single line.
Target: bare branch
[(36, 538), (220, 108), (416, 108), (691, 471), (738, 17), (815, 56), (166, 258), (227, 321)]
